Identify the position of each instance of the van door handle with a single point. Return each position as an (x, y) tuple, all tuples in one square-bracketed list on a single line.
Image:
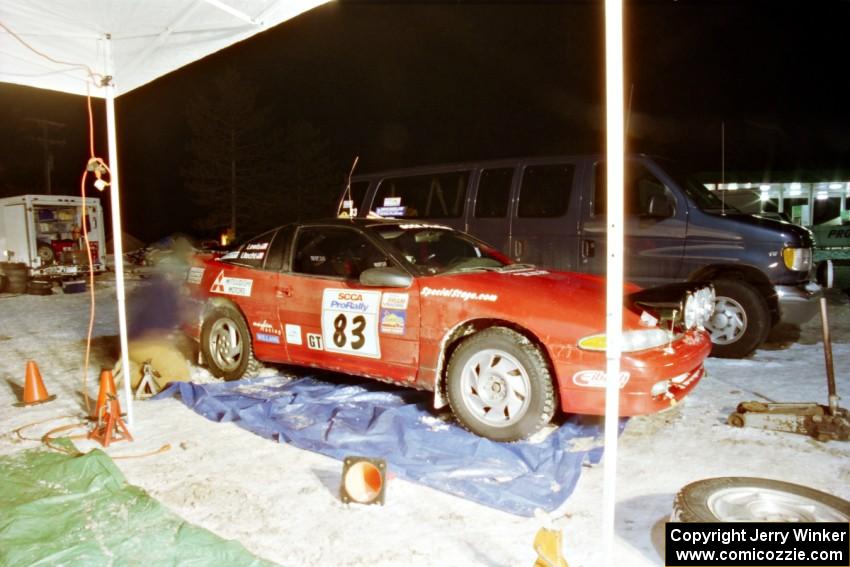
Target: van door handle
[(588, 248), (281, 292), (518, 249)]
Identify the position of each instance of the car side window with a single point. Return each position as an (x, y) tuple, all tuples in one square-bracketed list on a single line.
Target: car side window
[(276, 256), (545, 190), (335, 252), (433, 195), (641, 187), (253, 253), (494, 193)]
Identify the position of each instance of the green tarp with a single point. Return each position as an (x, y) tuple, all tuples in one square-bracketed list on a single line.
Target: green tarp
[(59, 509)]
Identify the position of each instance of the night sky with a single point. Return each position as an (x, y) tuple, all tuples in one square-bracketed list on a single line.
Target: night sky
[(411, 84)]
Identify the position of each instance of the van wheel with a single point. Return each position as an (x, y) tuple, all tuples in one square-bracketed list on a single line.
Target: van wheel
[(499, 385), (226, 344), (741, 319)]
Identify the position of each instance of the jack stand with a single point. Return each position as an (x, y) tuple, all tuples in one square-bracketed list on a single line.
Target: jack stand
[(824, 423), (109, 426), (147, 386)]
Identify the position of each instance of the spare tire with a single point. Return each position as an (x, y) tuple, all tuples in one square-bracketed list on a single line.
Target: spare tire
[(39, 287), (750, 499)]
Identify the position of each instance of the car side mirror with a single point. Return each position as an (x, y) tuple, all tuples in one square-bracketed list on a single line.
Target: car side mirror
[(385, 277), (659, 207)]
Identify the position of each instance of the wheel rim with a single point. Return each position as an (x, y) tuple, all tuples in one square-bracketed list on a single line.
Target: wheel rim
[(756, 504), (495, 387), (225, 344), (728, 322)]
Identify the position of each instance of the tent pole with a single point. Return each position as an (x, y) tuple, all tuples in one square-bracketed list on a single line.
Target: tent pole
[(118, 245), (614, 282)]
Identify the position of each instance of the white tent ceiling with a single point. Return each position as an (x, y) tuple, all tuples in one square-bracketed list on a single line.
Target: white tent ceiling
[(105, 48), (70, 40)]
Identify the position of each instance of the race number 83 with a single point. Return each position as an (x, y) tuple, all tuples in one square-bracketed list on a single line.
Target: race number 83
[(350, 322)]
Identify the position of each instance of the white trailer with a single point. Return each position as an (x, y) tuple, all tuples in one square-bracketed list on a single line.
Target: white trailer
[(45, 233)]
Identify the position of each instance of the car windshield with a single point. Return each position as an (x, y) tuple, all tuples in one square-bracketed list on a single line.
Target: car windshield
[(435, 249), (702, 197)]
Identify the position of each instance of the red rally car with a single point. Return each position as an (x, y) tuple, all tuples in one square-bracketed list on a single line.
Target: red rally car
[(423, 305)]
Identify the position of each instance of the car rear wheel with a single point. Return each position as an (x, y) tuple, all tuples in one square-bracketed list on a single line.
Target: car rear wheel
[(226, 344), (747, 499), (499, 385), (741, 319)]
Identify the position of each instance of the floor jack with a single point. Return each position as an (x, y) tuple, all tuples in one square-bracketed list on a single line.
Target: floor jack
[(824, 423)]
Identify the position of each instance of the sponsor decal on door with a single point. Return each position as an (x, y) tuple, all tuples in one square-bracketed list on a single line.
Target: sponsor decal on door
[(231, 286)]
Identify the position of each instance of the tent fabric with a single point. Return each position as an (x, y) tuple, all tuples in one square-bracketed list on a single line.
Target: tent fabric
[(342, 418), (144, 39), (60, 509)]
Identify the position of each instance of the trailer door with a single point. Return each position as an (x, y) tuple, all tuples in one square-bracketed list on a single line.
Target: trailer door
[(17, 234)]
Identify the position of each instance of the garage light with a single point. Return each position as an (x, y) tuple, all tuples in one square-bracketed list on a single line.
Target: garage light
[(732, 186), (835, 185), (796, 186), (765, 197), (765, 187), (822, 195)]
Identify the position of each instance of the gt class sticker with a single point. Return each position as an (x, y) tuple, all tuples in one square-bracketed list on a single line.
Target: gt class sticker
[(231, 286), (350, 322), (596, 378)]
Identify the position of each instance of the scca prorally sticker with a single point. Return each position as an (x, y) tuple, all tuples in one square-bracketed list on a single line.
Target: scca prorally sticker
[(231, 286), (267, 338), (350, 322), (195, 275), (596, 378), (394, 300), (293, 334), (393, 321), (266, 327), (461, 294), (314, 341)]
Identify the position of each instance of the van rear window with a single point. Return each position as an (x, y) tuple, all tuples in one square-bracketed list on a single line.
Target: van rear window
[(434, 195)]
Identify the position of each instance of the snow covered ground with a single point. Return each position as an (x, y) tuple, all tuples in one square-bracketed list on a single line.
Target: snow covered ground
[(281, 503)]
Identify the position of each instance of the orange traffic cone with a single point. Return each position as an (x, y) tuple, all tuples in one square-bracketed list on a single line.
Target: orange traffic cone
[(34, 390), (107, 389)]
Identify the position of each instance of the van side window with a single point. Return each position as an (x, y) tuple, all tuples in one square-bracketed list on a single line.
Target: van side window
[(640, 186), (434, 195), (494, 192), (545, 191)]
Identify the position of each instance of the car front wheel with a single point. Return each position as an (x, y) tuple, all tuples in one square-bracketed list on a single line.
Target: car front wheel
[(499, 385), (226, 344)]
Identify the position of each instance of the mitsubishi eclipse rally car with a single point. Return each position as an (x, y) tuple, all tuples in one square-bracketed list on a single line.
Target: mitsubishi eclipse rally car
[(423, 305)]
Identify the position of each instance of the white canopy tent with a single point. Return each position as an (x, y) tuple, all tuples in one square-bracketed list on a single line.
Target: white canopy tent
[(106, 48)]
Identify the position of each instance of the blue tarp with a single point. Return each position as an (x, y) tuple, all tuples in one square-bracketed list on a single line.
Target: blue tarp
[(340, 418)]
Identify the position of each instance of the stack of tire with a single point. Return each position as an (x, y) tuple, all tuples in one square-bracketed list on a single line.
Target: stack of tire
[(16, 277)]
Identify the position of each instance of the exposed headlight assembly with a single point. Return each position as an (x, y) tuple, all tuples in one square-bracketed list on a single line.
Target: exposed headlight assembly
[(797, 259), (698, 307), (641, 339)]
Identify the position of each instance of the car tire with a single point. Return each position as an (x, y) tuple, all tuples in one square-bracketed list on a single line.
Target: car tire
[(226, 344), (751, 499), (519, 398), (741, 320)]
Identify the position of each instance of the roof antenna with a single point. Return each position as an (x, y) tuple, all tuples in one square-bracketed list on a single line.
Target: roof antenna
[(723, 167), (346, 196)]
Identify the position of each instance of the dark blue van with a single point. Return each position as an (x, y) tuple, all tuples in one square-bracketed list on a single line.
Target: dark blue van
[(551, 212)]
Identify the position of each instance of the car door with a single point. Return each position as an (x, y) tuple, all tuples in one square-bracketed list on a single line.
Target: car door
[(330, 320), (655, 226), (544, 228)]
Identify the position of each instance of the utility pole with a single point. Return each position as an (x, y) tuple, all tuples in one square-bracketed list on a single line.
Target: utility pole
[(47, 143)]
